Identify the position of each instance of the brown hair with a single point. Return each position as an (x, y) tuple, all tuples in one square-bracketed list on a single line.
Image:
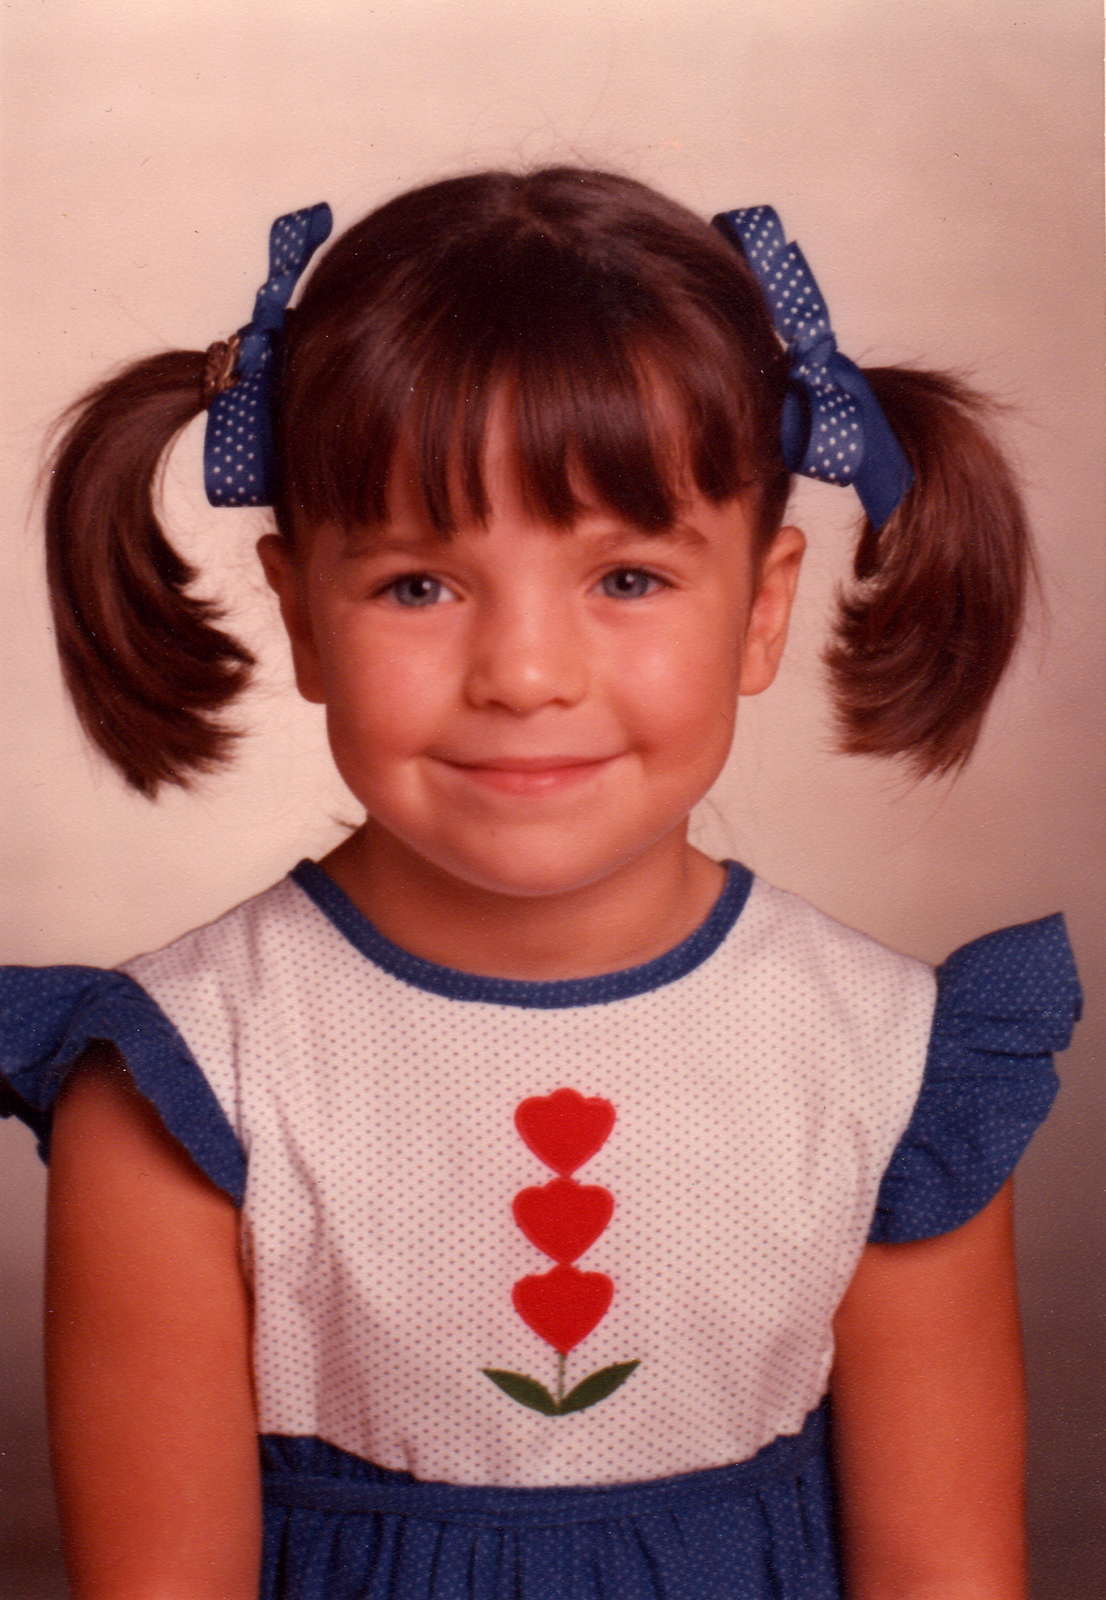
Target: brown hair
[(604, 310)]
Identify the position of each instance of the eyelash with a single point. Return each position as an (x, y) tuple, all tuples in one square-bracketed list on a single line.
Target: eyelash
[(651, 579), (392, 590), (646, 582)]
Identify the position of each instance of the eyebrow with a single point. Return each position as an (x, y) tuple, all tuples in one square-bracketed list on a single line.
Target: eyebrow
[(678, 532), (361, 541)]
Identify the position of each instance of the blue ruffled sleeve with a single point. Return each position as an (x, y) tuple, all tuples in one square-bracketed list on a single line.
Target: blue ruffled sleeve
[(1004, 1004), (49, 1016)]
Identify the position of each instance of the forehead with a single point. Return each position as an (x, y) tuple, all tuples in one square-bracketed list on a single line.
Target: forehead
[(559, 480), (626, 430), (633, 339), (409, 530)]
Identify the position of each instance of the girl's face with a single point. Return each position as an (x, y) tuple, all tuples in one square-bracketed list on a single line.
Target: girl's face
[(528, 709)]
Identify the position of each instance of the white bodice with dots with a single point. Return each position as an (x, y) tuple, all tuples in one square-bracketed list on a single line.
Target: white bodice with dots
[(757, 1102)]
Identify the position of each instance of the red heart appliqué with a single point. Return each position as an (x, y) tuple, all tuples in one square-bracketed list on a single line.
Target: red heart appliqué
[(563, 1129), (562, 1306), (563, 1218)]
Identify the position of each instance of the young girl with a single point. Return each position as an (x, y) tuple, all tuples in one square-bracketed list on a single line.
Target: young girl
[(528, 1181)]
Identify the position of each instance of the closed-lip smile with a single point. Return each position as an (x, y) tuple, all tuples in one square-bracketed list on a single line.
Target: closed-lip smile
[(529, 763), (529, 774)]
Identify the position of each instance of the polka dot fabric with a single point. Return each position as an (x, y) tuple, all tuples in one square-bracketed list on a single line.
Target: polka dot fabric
[(48, 1018), (836, 443), (360, 1103), (1004, 1004), (762, 1530), (238, 445), (836, 432), (758, 1099)]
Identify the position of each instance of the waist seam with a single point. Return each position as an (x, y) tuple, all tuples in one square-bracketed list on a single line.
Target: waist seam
[(489, 1506)]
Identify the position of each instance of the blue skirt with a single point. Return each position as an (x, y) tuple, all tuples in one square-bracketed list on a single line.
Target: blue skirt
[(339, 1528)]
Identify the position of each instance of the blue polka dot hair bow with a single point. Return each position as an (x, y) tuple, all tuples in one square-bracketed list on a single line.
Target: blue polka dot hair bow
[(833, 427), (239, 458)]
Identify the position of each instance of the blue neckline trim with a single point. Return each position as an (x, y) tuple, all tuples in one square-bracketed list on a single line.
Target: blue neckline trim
[(549, 995)]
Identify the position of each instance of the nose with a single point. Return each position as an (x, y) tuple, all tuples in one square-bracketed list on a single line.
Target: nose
[(524, 656)]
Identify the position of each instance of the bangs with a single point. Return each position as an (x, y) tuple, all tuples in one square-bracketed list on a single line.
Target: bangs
[(620, 387)]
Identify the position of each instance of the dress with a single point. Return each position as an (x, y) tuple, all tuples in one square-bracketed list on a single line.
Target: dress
[(544, 1273)]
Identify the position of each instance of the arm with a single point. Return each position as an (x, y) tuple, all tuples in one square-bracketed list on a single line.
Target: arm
[(928, 1412), (153, 1435)]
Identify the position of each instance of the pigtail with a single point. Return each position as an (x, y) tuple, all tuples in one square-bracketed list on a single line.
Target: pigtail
[(927, 631), (142, 660)]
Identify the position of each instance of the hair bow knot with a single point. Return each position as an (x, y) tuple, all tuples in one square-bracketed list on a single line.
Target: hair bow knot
[(832, 427), (239, 455)]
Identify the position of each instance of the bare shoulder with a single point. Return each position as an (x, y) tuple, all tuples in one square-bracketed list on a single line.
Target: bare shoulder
[(102, 1122), (929, 1416), (126, 1197), (148, 1331)]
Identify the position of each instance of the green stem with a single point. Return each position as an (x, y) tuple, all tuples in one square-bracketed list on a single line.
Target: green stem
[(560, 1377)]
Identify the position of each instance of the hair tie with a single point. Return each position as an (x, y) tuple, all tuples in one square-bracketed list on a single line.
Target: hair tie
[(832, 427), (239, 457)]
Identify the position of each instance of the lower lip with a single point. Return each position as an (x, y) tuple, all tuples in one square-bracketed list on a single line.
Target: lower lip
[(539, 781)]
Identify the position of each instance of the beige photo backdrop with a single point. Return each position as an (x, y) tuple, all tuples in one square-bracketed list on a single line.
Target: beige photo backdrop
[(941, 166)]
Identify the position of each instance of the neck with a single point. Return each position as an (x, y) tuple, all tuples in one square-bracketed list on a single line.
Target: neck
[(632, 915)]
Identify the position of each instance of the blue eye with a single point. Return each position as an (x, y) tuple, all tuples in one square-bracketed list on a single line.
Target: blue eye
[(630, 583), (418, 589)]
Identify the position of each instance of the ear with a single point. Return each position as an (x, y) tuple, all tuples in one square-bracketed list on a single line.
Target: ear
[(770, 612), (285, 576)]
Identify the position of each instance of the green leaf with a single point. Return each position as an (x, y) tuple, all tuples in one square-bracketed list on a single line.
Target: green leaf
[(527, 1391), (597, 1386)]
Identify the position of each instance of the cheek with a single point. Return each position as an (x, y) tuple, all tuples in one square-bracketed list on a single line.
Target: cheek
[(688, 688), (384, 701), (361, 694)]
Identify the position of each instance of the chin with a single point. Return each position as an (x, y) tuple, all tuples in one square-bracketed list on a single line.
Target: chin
[(529, 881), (537, 874)]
